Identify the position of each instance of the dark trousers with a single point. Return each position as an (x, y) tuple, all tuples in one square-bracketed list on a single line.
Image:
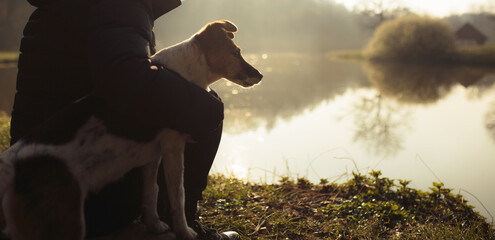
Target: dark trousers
[(119, 204)]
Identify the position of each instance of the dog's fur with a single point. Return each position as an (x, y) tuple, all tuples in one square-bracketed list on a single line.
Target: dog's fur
[(44, 178)]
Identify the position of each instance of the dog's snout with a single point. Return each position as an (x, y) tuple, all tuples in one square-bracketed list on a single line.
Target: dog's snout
[(254, 78), (260, 76), (252, 72)]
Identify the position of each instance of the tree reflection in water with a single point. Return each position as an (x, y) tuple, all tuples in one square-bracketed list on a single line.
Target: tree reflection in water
[(381, 120), (490, 120), (410, 83), (380, 124)]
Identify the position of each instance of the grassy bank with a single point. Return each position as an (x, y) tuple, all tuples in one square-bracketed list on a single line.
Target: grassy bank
[(472, 55), (365, 207)]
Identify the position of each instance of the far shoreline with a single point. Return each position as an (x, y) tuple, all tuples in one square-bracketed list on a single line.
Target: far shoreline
[(482, 56)]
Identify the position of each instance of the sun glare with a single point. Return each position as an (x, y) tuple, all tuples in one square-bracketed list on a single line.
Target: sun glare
[(442, 8), (239, 171), (438, 8)]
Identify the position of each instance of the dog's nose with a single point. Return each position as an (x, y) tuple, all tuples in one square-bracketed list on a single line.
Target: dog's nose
[(256, 74), (260, 76), (253, 72)]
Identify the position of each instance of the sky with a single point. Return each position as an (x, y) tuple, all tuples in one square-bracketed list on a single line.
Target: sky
[(438, 8)]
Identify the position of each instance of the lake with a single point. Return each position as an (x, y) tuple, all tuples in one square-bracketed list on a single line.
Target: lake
[(316, 118)]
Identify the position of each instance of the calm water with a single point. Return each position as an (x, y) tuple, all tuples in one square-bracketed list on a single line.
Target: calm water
[(315, 118)]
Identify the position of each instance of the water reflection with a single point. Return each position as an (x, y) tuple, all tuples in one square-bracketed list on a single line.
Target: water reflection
[(420, 84), (382, 120), (380, 124), (490, 120), (482, 87)]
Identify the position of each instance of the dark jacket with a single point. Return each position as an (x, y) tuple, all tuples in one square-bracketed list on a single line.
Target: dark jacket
[(75, 47)]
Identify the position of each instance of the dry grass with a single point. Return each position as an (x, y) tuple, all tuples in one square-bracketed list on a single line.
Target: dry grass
[(366, 207)]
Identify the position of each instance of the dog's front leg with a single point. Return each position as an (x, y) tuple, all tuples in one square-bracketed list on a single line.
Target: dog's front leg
[(150, 196), (174, 171)]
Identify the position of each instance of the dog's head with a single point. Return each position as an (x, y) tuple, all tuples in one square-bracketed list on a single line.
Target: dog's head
[(224, 56)]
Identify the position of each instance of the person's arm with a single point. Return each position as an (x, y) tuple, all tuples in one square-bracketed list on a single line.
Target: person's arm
[(125, 79)]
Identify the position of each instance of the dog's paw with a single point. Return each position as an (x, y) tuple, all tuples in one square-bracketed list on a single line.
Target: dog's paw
[(153, 223), (157, 227), (187, 234)]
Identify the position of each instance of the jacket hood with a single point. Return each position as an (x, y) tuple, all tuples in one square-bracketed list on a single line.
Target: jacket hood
[(160, 7), (38, 3)]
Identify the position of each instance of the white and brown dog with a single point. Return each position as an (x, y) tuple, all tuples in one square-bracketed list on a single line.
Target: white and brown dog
[(43, 185)]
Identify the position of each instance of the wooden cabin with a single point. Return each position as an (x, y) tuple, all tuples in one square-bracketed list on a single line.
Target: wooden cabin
[(470, 35)]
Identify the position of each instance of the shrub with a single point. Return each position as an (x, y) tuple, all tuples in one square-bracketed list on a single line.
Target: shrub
[(412, 38)]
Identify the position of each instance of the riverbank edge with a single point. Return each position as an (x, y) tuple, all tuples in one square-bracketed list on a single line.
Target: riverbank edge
[(469, 55), (365, 207)]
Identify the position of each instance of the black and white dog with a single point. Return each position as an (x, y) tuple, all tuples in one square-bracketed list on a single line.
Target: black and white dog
[(44, 180)]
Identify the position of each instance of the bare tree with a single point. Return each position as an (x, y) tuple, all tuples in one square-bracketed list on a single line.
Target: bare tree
[(374, 12), (488, 7)]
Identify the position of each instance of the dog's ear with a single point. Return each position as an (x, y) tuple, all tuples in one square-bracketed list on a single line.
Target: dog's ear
[(229, 26), (225, 26), (218, 31)]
